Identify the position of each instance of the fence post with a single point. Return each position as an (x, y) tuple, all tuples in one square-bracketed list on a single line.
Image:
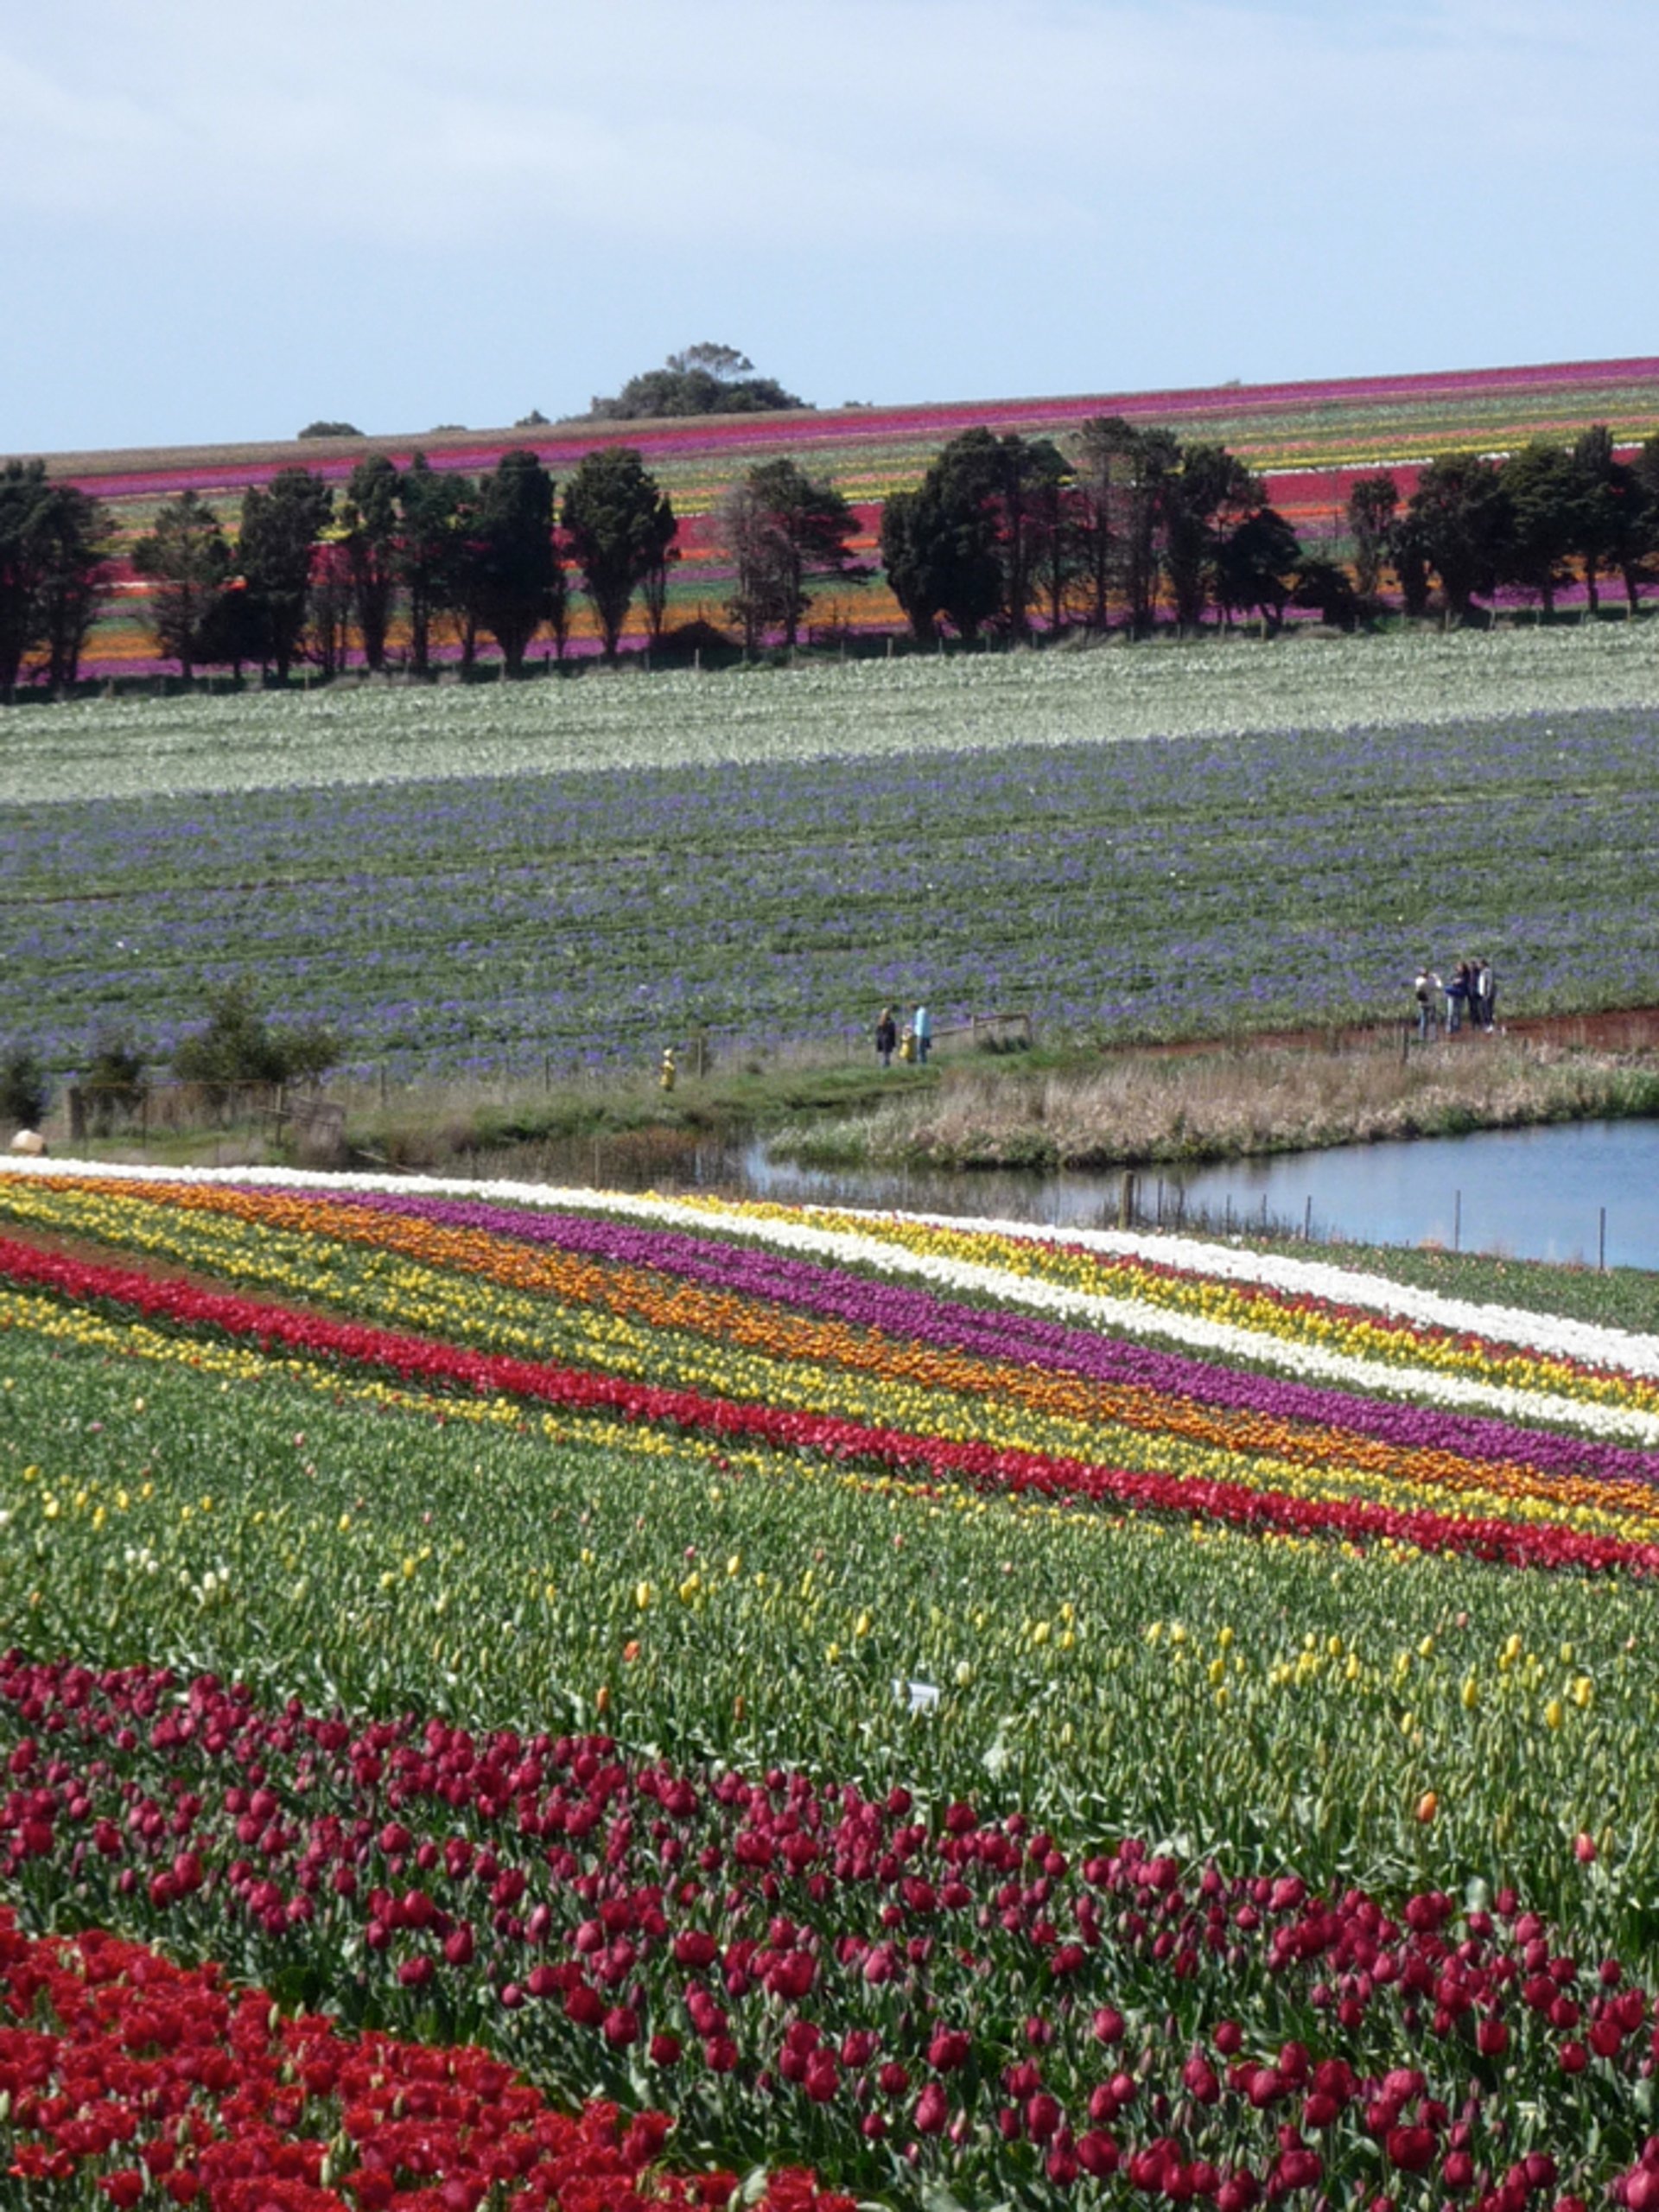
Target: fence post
[(1126, 1200), (1601, 1245)]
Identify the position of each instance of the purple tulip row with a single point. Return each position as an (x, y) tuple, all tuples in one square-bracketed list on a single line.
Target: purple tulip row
[(994, 1333)]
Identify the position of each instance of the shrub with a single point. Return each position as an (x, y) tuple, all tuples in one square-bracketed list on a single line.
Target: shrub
[(25, 1091), (114, 1083), (239, 1045), (683, 641)]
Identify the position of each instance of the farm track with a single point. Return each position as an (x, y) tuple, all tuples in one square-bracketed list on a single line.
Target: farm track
[(1614, 1029)]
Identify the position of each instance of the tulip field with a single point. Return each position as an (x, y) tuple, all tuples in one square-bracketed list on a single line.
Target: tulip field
[(513, 1697)]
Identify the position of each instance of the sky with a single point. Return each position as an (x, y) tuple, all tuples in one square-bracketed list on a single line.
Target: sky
[(222, 222)]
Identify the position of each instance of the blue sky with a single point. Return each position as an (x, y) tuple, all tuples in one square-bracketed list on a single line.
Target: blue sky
[(221, 221)]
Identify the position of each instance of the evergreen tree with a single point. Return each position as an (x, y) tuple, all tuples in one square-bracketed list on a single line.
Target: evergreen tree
[(281, 527), (368, 527), (620, 526), (518, 582), (186, 561)]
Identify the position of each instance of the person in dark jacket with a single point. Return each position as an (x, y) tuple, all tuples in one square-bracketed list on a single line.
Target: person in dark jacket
[(887, 1037)]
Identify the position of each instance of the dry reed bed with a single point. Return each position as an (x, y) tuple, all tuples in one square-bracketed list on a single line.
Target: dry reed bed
[(1149, 1107)]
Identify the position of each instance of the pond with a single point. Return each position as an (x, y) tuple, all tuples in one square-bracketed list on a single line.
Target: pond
[(1584, 1191)]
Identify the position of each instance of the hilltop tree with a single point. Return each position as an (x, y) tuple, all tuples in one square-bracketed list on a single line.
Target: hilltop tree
[(368, 532), (706, 379), (781, 526), (621, 525), (186, 561), (517, 582), (281, 527)]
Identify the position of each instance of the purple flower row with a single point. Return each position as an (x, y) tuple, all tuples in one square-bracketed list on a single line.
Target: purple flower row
[(1022, 1339)]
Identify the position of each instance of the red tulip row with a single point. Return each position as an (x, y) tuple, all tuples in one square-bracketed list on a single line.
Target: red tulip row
[(985, 1467), (162, 2085), (893, 1995)]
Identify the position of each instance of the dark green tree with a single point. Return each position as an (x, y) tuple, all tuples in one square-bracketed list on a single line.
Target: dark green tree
[(517, 580), (1201, 502), (620, 526), (1325, 587), (1106, 466), (232, 631), (280, 530), (1544, 490), (1462, 526), (186, 562), (989, 527), (74, 579), (1258, 565), (53, 574), (430, 548), (1619, 517), (938, 547), (1408, 555), (239, 1045), (1056, 543), (22, 489), (1373, 509), (705, 379), (368, 532), (780, 528), (25, 1087)]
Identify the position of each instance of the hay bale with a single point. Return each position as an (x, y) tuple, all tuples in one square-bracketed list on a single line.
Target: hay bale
[(30, 1141)]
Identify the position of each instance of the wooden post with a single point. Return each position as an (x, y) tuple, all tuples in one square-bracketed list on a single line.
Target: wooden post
[(1126, 1200)]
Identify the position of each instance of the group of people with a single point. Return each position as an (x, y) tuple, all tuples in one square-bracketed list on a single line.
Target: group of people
[(911, 1043), (1469, 993)]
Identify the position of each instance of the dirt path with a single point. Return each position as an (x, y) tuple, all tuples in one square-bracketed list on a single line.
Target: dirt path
[(1624, 1029)]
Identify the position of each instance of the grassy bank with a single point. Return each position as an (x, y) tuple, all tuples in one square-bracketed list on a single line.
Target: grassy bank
[(1040, 1110), (1228, 1102)]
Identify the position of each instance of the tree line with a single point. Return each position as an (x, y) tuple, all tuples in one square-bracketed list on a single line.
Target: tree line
[(1121, 527), (1130, 526)]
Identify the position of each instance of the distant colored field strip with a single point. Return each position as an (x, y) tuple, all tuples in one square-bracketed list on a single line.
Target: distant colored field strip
[(1309, 440), (655, 1327)]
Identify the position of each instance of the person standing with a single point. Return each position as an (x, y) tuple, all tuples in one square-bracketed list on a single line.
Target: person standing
[(1457, 997), (1427, 990), (1484, 995), (887, 1037), (922, 1029)]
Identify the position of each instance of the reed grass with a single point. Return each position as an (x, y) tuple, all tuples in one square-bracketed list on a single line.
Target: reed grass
[(1152, 1107)]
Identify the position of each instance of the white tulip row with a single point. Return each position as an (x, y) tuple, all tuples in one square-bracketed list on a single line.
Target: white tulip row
[(1619, 1350)]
